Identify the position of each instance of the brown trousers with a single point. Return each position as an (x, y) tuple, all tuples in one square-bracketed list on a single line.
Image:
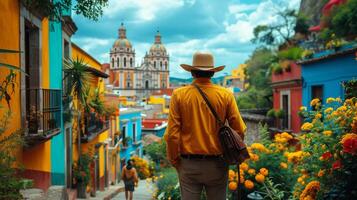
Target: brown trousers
[(196, 174)]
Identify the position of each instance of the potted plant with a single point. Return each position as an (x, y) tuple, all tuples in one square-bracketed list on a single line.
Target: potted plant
[(34, 117), (81, 174)]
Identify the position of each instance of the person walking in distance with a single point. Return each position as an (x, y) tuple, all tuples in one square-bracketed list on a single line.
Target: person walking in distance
[(193, 145), (130, 178)]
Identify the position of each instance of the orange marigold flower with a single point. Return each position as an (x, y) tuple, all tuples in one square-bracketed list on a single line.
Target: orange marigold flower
[(264, 171), (311, 190), (251, 171), (348, 136), (249, 184), (283, 165), (244, 166), (314, 102), (321, 173), (260, 178), (307, 126), (232, 186)]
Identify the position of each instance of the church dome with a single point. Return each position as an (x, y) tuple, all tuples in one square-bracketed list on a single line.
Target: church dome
[(157, 46), (122, 41)]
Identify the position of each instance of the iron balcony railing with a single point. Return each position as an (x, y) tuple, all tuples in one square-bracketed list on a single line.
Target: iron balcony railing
[(43, 111), (94, 125)]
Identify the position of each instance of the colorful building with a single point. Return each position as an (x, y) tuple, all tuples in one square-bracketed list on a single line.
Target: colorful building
[(99, 135), (324, 73), (154, 126), (236, 81), (130, 137), (37, 107), (287, 92)]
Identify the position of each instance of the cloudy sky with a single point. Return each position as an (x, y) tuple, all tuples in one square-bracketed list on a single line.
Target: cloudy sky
[(223, 27)]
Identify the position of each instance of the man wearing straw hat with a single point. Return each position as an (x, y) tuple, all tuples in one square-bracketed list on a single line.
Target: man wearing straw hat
[(193, 146)]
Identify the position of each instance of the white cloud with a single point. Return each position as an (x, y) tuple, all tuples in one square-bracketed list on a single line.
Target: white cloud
[(241, 7), (145, 10), (90, 43)]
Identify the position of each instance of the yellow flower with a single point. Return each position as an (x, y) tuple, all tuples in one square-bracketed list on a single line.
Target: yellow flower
[(264, 171), (232, 186), (338, 99), (342, 109), (315, 102), (258, 146), (300, 179), (231, 174), (318, 116), (311, 190), (307, 126), (321, 173), (327, 133), (328, 110), (254, 157), (251, 171), (244, 166), (283, 165), (248, 184), (330, 100), (260, 178), (303, 108)]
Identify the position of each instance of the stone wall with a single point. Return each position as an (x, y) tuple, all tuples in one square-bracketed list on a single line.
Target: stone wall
[(252, 120)]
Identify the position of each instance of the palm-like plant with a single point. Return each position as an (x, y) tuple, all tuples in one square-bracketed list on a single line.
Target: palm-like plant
[(78, 79)]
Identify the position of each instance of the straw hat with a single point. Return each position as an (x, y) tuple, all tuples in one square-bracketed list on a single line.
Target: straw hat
[(202, 62)]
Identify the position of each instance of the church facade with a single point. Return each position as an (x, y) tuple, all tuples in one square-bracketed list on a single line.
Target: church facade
[(137, 81)]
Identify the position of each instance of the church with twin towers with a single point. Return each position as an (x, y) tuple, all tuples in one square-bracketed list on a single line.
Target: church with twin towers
[(133, 80)]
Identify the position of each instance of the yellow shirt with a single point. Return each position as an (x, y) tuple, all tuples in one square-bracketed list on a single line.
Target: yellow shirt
[(192, 128)]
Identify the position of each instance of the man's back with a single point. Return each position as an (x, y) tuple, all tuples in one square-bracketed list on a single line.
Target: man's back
[(192, 121)]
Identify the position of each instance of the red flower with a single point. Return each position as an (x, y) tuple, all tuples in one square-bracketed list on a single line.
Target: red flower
[(336, 165), (350, 146), (326, 155)]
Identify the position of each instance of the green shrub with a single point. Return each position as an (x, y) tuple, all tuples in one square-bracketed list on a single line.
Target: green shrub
[(271, 113), (167, 185), (276, 68), (279, 114), (294, 53)]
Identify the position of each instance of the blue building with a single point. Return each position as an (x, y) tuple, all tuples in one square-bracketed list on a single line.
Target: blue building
[(324, 73), (131, 134)]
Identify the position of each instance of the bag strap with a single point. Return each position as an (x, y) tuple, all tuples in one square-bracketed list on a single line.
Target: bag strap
[(239, 191), (220, 122)]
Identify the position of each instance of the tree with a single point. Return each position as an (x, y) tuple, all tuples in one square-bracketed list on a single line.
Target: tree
[(259, 92), (78, 77), (279, 32), (344, 20), (91, 9)]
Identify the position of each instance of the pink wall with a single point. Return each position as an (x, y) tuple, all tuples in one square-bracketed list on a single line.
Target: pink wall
[(280, 83)]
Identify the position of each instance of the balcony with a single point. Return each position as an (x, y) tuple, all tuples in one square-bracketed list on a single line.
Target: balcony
[(43, 115), (94, 126)]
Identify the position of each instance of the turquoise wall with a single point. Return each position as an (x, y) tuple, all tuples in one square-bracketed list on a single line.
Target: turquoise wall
[(132, 117), (328, 73), (58, 142)]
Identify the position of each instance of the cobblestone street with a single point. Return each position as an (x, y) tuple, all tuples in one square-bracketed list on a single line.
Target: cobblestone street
[(143, 192)]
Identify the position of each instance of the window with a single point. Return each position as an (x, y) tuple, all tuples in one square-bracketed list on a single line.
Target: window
[(131, 62), (155, 64), (124, 62), (128, 84), (146, 84), (112, 62), (134, 132), (317, 92), (123, 132), (165, 65), (118, 62), (160, 64)]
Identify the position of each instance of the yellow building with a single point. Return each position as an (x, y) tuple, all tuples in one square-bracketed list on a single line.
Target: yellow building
[(35, 103), (99, 139), (236, 81)]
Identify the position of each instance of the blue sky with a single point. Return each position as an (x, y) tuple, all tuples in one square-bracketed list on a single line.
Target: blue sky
[(223, 27)]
